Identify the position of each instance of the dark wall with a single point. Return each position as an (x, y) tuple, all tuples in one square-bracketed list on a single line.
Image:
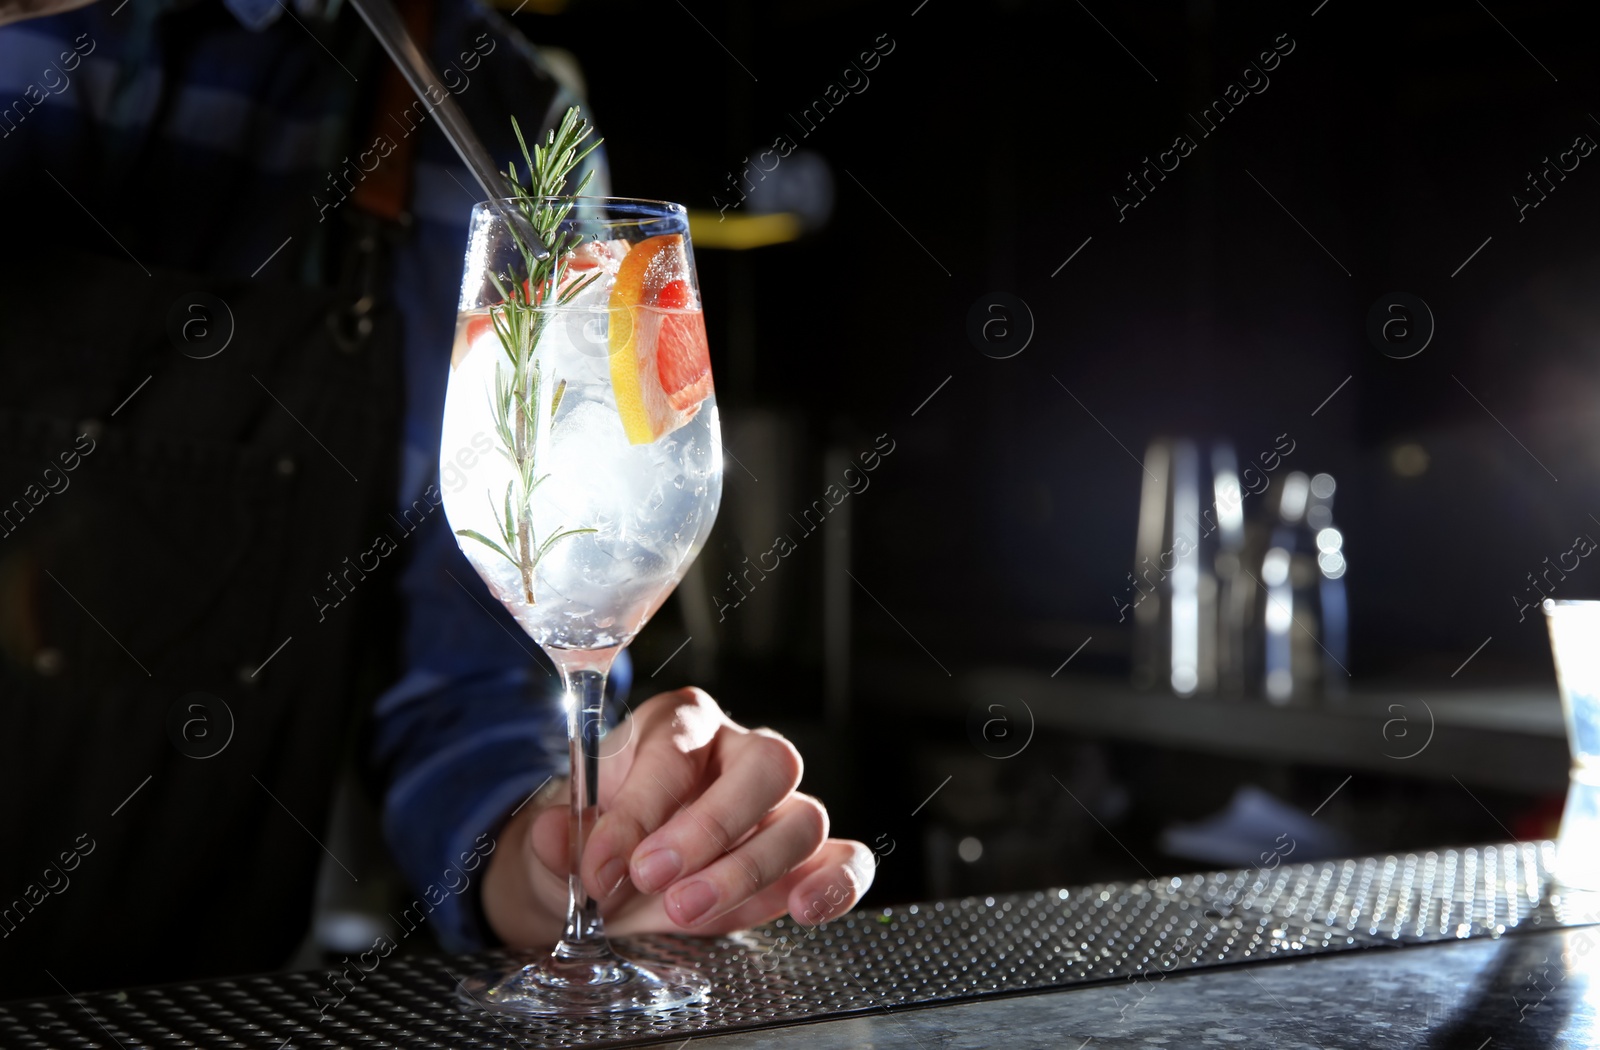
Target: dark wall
[(1378, 155)]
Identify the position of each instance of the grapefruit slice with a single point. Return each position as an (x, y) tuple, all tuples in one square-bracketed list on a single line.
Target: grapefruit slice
[(683, 358), (660, 360)]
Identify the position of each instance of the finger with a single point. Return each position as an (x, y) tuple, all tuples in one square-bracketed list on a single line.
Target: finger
[(837, 877), (522, 898), (550, 839), (648, 914), (672, 741), (771, 903), (551, 847), (782, 841), (833, 868), (758, 771)]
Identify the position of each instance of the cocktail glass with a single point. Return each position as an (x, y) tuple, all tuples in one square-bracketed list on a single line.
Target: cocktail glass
[(582, 465), (1575, 644)]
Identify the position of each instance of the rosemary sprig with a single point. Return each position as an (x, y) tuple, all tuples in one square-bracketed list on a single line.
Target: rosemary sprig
[(516, 403)]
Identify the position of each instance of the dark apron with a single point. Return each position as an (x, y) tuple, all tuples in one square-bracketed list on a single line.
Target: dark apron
[(141, 837)]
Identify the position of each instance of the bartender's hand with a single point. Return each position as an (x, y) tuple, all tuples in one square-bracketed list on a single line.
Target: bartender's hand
[(701, 831)]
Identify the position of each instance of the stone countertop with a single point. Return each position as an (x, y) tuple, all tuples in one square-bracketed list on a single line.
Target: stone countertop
[(1519, 991)]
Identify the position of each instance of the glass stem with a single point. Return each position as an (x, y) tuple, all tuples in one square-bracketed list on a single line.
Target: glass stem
[(583, 674)]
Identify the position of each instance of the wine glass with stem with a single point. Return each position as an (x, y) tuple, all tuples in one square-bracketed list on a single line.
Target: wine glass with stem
[(581, 470)]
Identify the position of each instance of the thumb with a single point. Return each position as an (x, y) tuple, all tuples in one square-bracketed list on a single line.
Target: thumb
[(551, 840)]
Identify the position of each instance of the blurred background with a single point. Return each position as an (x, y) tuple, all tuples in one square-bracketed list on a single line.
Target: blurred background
[(999, 294), (917, 644)]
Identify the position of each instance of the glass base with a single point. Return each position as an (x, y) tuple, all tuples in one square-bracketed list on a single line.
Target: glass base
[(579, 988)]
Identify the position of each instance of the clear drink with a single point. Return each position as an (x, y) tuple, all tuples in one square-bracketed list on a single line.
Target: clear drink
[(649, 505)]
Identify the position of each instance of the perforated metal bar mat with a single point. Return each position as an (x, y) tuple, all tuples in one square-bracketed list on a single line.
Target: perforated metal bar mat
[(866, 961)]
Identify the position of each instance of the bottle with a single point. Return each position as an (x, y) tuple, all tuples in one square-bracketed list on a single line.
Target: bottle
[(1186, 569), (1302, 621)]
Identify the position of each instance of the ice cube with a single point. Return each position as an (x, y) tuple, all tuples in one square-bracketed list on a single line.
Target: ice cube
[(590, 470), (575, 345)]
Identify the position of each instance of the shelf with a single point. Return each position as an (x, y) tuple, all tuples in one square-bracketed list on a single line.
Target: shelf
[(1510, 739)]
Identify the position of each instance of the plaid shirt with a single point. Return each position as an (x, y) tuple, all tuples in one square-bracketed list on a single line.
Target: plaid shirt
[(229, 129)]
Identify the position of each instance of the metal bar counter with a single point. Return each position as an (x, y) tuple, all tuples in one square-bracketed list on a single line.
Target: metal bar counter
[(1489, 953)]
